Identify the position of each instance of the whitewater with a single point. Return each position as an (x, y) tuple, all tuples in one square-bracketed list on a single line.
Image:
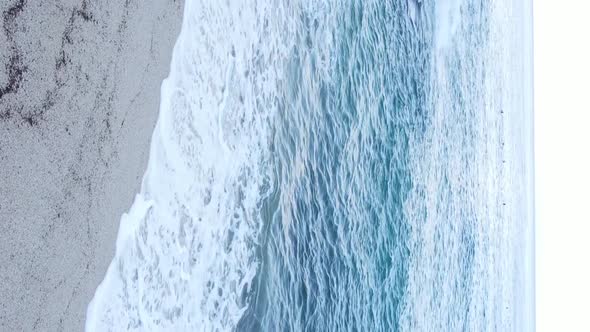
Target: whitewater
[(335, 165)]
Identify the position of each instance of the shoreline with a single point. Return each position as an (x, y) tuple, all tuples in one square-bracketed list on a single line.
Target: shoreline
[(76, 118)]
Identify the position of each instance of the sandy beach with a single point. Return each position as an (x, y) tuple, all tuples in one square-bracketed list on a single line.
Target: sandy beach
[(79, 97)]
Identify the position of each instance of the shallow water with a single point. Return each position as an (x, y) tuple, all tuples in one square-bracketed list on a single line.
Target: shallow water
[(329, 166)]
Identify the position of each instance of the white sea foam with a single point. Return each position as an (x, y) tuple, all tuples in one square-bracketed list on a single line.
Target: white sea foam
[(185, 251), (447, 13)]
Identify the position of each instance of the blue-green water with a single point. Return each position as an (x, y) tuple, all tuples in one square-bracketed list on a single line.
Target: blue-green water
[(336, 250), (334, 166)]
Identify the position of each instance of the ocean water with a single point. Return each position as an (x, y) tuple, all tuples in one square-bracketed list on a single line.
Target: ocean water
[(335, 166)]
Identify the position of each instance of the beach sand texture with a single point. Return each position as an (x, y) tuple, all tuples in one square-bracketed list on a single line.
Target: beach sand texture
[(79, 96)]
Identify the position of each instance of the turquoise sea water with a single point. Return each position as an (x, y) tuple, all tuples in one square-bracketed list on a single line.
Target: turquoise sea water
[(335, 166)]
